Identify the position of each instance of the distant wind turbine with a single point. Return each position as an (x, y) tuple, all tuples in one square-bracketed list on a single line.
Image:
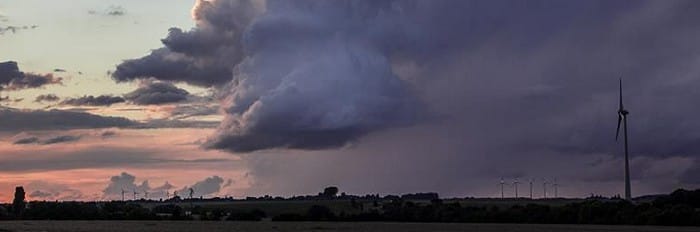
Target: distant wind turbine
[(515, 184), (622, 119), (544, 187), (531, 180), (502, 183), (556, 186)]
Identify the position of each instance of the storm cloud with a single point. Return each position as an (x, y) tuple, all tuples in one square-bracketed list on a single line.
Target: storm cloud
[(455, 86), (11, 78)]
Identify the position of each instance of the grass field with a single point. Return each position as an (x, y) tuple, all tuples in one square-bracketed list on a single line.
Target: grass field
[(144, 226)]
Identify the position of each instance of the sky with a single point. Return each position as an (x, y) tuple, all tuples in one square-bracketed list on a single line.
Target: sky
[(270, 97)]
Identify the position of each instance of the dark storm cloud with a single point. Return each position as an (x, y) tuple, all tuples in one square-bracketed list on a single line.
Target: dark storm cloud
[(11, 78), (102, 100), (47, 98), (528, 87), (155, 93)]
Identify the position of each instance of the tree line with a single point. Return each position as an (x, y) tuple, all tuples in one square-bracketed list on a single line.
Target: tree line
[(680, 208)]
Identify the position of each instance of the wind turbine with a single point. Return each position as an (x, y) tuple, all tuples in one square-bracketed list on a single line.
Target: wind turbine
[(123, 194), (556, 190), (622, 119), (544, 186), (515, 184), (531, 180), (502, 183)]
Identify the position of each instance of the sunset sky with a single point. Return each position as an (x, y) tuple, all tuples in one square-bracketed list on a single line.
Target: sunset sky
[(253, 97)]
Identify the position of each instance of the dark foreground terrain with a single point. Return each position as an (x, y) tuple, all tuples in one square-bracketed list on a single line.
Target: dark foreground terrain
[(142, 226)]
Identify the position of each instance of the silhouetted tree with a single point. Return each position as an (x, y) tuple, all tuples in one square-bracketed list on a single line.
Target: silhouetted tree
[(18, 204), (330, 191)]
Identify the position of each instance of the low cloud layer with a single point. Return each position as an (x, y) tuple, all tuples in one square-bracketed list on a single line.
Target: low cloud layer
[(47, 98), (25, 120), (14, 29), (110, 11), (48, 141), (102, 100), (127, 182), (11, 78), (155, 93), (44, 190), (204, 188)]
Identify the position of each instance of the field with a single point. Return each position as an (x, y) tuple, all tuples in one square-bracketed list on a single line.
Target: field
[(144, 226), (273, 208)]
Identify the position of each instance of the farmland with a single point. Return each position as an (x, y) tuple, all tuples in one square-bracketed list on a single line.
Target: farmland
[(147, 226)]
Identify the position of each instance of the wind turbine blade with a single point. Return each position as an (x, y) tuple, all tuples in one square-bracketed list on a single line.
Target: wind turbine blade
[(619, 121), (621, 106)]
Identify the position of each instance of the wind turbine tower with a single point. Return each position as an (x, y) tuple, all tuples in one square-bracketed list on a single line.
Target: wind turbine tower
[(502, 183), (556, 188), (123, 194), (544, 187), (622, 119), (531, 188), (515, 184)]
